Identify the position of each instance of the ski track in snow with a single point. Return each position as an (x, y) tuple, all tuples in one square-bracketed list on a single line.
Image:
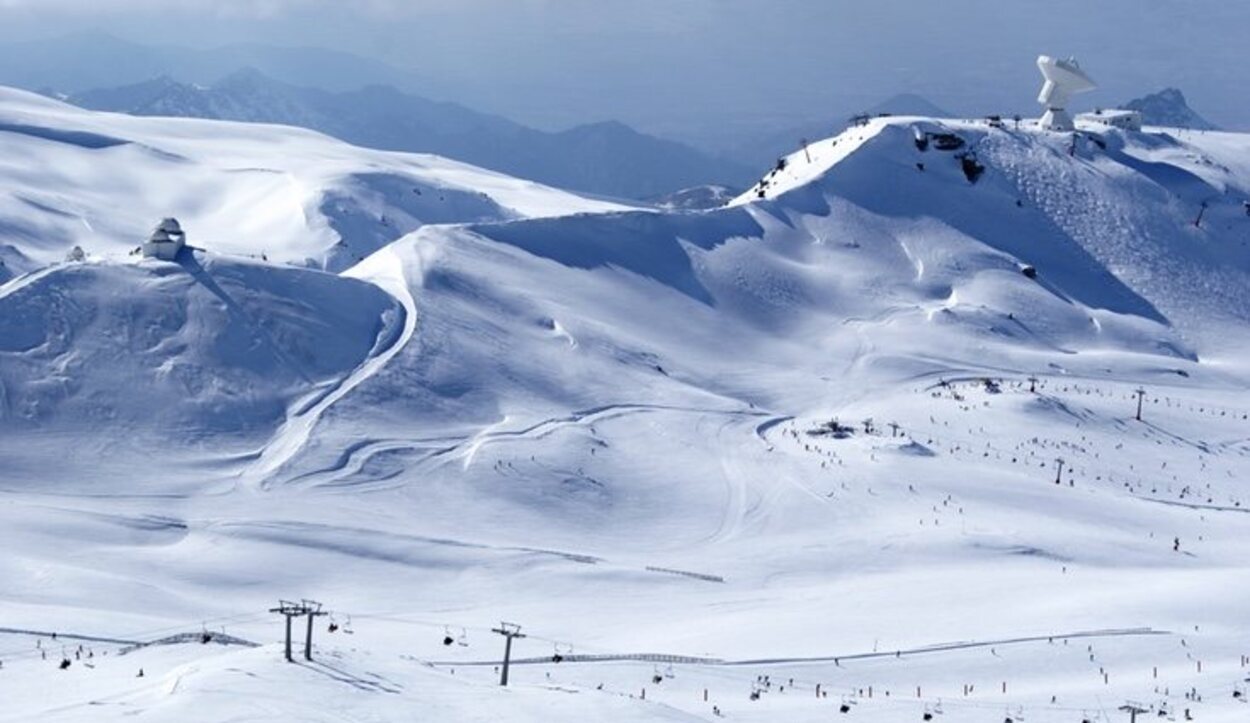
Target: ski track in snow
[(294, 434)]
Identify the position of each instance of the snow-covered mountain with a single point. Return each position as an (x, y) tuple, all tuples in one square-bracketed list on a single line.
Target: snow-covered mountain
[(1169, 108), (794, 456), (100, 181), (603, 158)]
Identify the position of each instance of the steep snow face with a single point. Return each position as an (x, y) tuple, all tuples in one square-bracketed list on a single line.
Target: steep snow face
[(98, 180), (103, 363)]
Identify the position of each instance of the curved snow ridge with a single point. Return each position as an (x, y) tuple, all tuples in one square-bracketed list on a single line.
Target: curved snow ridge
[(385, 270), (813, 161)]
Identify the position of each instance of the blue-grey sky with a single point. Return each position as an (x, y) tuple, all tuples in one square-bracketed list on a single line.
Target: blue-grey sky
[(711, 67)]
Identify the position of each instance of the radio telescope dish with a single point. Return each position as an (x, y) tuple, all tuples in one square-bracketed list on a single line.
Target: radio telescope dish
[(1064, 78)]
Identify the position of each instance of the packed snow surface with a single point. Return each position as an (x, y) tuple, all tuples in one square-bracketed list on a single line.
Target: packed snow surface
[(866, 446)]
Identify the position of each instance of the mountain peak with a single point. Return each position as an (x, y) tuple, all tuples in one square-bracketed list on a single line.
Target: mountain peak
[(1168, 107)]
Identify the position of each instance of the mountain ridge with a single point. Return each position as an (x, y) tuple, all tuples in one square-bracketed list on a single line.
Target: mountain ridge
[(606, 158), (1169, 108)]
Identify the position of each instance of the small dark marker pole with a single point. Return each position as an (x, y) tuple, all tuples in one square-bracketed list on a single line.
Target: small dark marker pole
[(1059, 474), (803, 142), (510, 631), (1032, 385), (1141, 394)]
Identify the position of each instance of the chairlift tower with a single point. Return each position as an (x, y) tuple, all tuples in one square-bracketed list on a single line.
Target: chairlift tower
[(312, 609), (1133, 710), (510, 631), (289, 610)]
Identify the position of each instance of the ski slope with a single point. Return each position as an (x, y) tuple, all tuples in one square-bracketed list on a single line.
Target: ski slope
[(615, 428)]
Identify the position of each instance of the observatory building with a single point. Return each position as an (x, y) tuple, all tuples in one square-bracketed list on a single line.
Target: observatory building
[(1064, 78), (166, 241), (1128, 120)]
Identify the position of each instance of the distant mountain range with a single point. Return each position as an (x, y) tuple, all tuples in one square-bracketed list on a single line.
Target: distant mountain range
[(1169, 108), (80, 61), (603, 158)]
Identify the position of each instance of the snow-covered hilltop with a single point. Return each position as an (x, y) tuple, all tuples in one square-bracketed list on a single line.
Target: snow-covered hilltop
[(1102, 215), (865, 440), (100, 180)]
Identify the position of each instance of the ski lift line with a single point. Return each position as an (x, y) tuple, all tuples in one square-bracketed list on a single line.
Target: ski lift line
[(764, 662), (964, 645), (394, 618), (138, 638), (69, 636)]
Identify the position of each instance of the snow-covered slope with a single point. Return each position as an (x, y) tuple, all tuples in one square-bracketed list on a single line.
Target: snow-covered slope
[(101, 181), (618, 430), (103, 363), (1164, 215)]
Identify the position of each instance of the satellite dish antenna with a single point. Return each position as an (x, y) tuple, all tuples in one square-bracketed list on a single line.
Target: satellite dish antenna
[(1064, 78)]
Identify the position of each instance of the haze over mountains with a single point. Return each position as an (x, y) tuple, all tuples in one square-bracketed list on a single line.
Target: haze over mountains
[(605, 158), (93, 59), (371, 103)]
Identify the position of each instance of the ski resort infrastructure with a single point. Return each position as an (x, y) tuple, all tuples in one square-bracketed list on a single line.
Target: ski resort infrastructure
[(942, 420)]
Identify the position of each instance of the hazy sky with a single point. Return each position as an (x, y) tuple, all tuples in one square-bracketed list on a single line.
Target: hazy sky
[(686, 67)]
